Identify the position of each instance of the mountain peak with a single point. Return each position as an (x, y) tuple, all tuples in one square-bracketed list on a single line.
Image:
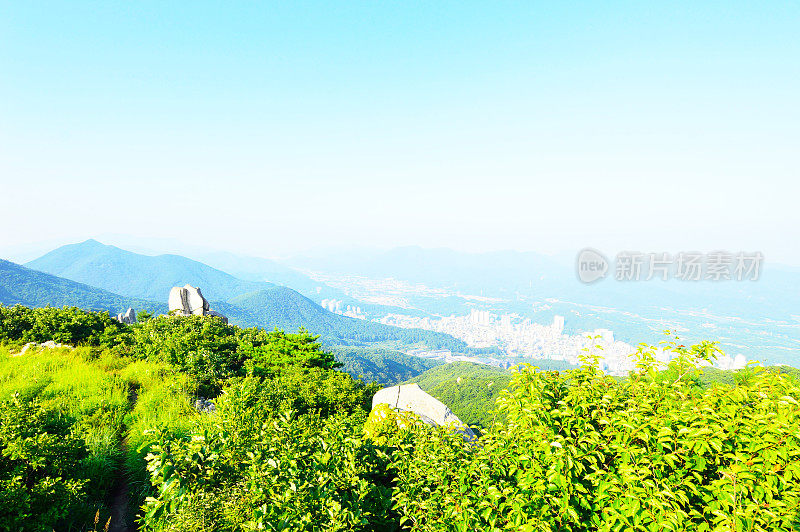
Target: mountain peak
[(138, 276)]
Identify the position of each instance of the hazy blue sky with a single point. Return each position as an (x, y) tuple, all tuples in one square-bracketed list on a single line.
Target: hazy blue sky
[(271, 127)]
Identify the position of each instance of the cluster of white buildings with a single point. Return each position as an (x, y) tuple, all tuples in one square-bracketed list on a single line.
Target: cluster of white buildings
[(520, 337), (337, 307)]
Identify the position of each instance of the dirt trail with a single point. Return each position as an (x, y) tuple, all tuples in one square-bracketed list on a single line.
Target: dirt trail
[(120, 496), (119, 507)]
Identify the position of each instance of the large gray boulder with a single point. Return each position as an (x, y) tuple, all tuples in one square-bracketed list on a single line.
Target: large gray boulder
[(128, 317), (188, 300), (411, 398)]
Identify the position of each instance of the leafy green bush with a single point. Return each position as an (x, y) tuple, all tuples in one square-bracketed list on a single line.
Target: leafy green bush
[(68, 325), (42, 468), (303, 390), (255, 470), (668, 448), (212, 352), (203, 348)]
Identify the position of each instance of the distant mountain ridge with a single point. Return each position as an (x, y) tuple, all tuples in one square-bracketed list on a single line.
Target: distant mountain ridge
[(139, 276), (264, 270)]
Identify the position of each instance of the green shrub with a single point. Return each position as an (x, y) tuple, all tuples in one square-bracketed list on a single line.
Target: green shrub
[(284, 472), (68, 325), (42, 473), (212, 353), (302, 390)]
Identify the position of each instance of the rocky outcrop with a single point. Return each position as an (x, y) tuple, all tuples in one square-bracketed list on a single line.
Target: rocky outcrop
[(189, 301), (411, 398), (128, 317)]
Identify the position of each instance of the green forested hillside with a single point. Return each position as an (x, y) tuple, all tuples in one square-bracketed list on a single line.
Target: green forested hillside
[(32, 288), (384, 366), (139, 276), (283, 307)]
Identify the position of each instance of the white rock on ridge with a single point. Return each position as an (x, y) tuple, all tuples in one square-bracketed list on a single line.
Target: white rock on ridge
[(411, 398), (198, 305), (129, 317), (188, 300)]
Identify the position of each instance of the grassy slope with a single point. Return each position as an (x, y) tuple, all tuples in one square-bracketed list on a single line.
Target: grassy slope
[(98, 391)]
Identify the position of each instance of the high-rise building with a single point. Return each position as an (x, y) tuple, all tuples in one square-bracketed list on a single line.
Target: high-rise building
[(558, 325)]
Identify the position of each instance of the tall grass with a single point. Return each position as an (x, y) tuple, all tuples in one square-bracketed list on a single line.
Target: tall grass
[(162, 400), (115, 400), (67, 380)]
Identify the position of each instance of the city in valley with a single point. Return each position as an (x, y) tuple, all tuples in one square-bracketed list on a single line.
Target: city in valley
[(519, 339)]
